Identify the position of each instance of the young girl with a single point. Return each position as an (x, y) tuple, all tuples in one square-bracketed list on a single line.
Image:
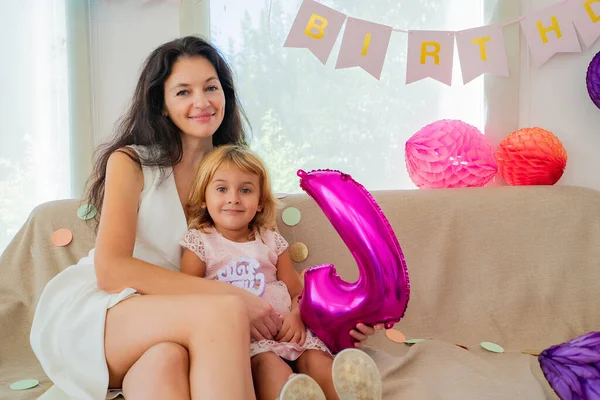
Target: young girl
[(232, 238)]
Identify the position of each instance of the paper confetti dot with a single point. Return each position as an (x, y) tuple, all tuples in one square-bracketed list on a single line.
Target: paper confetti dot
[(86, 211), (493, 347), (62, 237), (298, 252), (24, 384), (395, 335), (291, 216), (413, 341), (281, 195), (462, 346)]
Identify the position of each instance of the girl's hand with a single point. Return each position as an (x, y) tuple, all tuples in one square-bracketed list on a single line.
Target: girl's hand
[(264, 321), (292, 329), (362, 332)]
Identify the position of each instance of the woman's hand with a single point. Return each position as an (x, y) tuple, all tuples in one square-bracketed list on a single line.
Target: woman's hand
[(292, 329), (362, 332), (264, 321)]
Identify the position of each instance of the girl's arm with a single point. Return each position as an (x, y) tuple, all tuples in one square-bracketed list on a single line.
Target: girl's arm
[(293, 329), (288, 275), (191, 264)]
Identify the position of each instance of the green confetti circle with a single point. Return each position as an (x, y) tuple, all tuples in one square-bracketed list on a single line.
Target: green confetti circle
[(86, 211), (493, 347), (24, 384), (291, 216)]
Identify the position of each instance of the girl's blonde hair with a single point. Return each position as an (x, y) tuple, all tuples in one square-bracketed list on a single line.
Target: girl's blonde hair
[(242, 158)]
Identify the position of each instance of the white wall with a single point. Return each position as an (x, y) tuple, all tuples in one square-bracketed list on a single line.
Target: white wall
[(124, 32), (553, 97)]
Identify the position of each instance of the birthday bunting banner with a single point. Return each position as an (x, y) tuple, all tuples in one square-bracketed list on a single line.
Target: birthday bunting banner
[(430, 54)]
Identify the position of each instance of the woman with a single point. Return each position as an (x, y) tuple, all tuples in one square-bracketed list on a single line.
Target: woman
[(124, 316)]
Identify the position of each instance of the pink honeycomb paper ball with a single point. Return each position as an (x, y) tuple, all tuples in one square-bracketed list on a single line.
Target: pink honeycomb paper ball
[(449, 154)]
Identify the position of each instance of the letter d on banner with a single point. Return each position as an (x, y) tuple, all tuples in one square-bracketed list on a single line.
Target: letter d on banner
[(586, 17), (316, 28)]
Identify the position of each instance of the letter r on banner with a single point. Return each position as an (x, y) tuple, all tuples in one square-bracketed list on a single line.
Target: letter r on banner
[(435, 53)]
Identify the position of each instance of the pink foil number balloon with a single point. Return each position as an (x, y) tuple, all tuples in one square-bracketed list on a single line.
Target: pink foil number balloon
[(330, 306), (449, 154)]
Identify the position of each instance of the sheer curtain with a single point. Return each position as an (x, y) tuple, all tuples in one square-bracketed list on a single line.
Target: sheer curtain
[(308, 115), (34, 110)]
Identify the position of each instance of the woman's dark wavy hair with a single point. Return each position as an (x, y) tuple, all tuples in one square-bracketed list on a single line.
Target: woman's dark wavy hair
[(143, 123)]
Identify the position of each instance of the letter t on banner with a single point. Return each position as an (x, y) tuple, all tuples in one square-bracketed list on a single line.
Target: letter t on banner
[(550, 31), (430, 55), (482, 50), (364, 45), (316, 28)]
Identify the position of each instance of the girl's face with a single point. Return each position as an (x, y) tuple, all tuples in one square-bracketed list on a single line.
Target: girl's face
[(194, 98), (233, 198)]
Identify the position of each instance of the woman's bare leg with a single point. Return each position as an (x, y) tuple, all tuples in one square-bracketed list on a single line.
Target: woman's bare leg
[(317, 364), (214, 329), (162, 372), (270, 373)]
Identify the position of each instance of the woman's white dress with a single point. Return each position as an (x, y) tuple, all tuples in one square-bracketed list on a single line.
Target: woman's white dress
[(67, 334)]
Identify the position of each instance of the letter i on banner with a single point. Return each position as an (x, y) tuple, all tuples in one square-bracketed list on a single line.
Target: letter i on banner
[(430, 55), (364, 45), (316, 28), (586, 17), (482, 50), (550, 31)]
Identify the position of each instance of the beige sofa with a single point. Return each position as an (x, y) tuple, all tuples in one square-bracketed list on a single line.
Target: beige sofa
[(517, 266)]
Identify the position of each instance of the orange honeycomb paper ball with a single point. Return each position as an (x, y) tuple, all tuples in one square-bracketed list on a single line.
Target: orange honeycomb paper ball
[(531, 156)]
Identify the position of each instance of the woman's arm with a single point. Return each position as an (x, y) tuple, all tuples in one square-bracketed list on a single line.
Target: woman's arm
[(116, 268)]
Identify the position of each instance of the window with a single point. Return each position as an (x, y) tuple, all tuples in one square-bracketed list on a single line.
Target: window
[(311, 116), (34, 131)]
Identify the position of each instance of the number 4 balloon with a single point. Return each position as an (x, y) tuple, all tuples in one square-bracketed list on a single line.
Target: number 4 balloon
[(330, 306)]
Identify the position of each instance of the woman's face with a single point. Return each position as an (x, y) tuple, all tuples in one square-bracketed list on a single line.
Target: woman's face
[(194, 97)]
